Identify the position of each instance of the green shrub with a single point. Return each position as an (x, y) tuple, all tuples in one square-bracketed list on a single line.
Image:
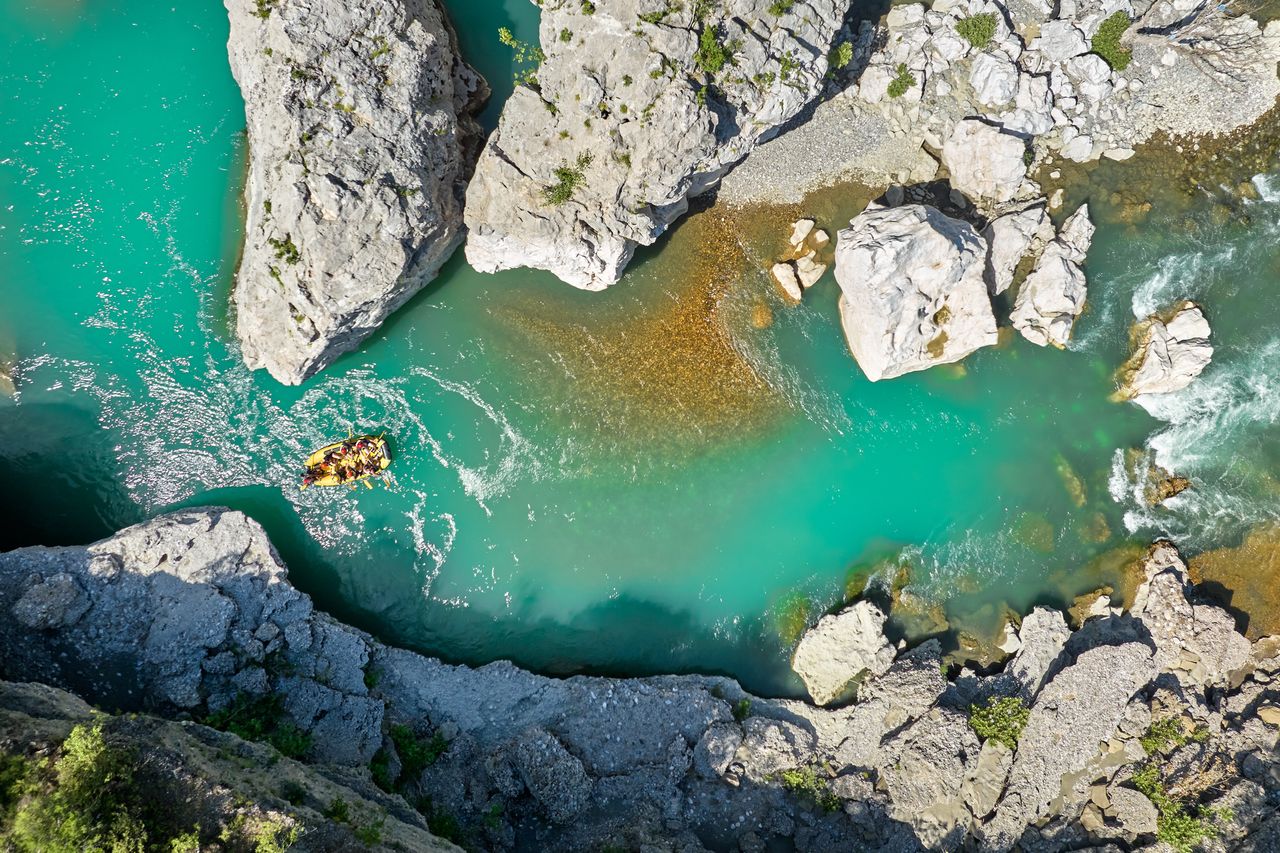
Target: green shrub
[(262, 719), (787, 63), (338, 811), (808, 785), (1170, 732), (442, 823), (742, 709), (369, 834), (566, 35), (977, 30), (1106, 41), (711, 55), (1175, 824), (416, 754), (380, 770), (1002, 720), (286, 250), (293, 793), (86, 800), (588, 8), (568, 178), (188, 842), (841, 55), (902, 83), (781, 7), (274, 837)]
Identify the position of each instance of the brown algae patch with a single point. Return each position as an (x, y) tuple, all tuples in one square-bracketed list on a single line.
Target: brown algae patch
[(676, 354), (665, 362), (1172, 176), (1249, 575)]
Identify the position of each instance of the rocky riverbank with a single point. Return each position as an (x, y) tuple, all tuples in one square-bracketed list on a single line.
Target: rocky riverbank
[(1135, 726), (361, 140), (1074, 81), (167, 785), (625, 111)]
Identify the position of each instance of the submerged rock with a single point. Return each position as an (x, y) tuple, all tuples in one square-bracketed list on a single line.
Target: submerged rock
[(1054, 294), (636, 108), (913, 290), (1171, 351), (840, 649), (359, 125)]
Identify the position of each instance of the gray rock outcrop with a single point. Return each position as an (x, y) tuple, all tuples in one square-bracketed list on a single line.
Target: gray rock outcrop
[(1054, 294), (840, 649), (1043, 635), (913, 290), (187, 612), (1196, 642), (1076, 711), (360, 145), (637, 107), (1172, 350)]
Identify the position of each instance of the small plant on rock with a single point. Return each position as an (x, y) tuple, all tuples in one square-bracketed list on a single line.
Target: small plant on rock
[(416, 754), (808, 785), (1106, 42), (1170, 732), (741, 709), (711, 55), (903, 82), (1176, 825), (1002, 720), (841, 55), (261, 718), (781, 7), (977, 30), (568, 179)]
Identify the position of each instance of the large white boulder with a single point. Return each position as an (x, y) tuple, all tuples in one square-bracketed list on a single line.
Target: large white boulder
[(1011, 238), (359, 121), (913, 287), (994, 79), (602, 151), (1059, 41), (1172, 351), (1053, 295), (841, 649), (984, 162)]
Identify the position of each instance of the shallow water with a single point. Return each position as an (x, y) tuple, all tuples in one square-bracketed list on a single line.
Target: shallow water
[(635, 481)]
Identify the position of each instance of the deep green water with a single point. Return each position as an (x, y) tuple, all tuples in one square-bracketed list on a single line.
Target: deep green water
[(533, 514)]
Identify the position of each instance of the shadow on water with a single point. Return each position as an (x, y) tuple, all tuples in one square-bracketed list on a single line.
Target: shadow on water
[(553, 647), (53, 456)]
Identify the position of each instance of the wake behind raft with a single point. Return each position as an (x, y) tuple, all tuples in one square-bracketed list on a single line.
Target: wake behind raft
[(347, 462)]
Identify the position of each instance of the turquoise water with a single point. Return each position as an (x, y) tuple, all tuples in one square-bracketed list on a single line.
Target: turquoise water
[(567, 492)]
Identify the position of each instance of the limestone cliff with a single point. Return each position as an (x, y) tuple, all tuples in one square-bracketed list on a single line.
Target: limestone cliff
[(360, 128), (638, 106), (1087, 738)]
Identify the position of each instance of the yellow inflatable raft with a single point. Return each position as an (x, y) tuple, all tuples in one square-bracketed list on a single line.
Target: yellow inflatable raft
[(345, 463)]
